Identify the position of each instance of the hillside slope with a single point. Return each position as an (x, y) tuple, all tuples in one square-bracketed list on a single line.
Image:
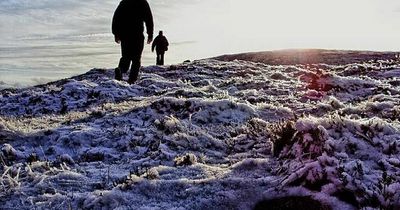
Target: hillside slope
[(311, 56), (207, 134)]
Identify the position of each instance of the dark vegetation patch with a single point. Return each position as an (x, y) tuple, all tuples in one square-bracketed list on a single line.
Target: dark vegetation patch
[(282, 135), (291, 203)]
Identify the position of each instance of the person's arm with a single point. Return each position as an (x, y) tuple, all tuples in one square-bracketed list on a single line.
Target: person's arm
[(115, 27), (154, 44), (148, 19)]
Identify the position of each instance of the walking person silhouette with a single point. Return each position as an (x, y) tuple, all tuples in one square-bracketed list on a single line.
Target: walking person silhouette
[(127, 27), (161, 45)]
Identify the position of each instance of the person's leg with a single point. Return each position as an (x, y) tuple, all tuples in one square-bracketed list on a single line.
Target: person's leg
[(137, 47), (125, 61), (158, 59), (162, 59), (134, 74), (118, 74)]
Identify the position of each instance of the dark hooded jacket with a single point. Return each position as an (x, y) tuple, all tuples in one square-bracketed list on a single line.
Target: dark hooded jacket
[(160, 43), (128, 19)]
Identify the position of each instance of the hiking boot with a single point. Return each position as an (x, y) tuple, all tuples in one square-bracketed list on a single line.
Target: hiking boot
[(133, 76), (118, 74), (131, 81)]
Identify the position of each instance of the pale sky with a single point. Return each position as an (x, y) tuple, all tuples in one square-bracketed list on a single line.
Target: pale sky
[(247, 25)]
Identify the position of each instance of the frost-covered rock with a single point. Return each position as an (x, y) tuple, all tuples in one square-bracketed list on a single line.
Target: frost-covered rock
[(9, 153), (65, 158), (187, 159)]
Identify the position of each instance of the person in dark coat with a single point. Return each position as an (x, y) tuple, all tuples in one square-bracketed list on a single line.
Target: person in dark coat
[(127, 27), (161, 45)]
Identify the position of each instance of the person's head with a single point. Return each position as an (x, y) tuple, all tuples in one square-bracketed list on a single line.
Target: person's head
[(160, 33)]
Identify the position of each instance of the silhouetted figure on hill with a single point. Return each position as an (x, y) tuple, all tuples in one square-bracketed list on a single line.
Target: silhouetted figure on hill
[(161, 45), (127, 27)]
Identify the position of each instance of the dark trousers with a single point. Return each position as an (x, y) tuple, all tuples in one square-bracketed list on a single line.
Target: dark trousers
[(131, 51), (160, 58)]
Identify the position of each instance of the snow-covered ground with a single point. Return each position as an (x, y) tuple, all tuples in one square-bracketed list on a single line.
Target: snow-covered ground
[(206, 134)]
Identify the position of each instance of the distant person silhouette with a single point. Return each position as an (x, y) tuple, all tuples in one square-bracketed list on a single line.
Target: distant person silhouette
[(127, 27), (161, 45)]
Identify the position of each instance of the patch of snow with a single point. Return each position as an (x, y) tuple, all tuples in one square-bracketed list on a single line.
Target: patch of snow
[(206, 134)]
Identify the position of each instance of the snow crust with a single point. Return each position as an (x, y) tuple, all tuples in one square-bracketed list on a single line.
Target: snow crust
[(205, 135)]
